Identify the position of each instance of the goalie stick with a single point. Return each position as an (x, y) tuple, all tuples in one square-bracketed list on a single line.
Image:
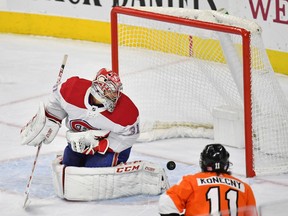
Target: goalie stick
[(27, 191)]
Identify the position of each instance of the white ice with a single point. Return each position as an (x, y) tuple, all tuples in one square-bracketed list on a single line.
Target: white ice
[(29, 67)]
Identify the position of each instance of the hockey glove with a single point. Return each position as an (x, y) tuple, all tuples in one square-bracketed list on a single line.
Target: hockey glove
[(39, 129), (88, 142)]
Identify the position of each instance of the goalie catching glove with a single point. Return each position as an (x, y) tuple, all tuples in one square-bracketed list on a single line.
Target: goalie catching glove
[(39, 129), (88, 142)]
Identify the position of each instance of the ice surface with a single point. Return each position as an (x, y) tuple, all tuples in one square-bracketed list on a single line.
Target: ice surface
[(29, 67)]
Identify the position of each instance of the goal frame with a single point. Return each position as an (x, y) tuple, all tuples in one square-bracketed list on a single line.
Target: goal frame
[(245, 35)]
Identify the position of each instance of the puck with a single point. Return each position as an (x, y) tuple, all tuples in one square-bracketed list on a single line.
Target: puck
[(171, 165)]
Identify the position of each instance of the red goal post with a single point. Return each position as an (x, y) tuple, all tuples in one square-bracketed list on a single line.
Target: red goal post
[(129, 35)]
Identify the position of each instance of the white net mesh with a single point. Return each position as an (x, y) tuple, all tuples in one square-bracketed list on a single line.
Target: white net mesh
[(176, 74)]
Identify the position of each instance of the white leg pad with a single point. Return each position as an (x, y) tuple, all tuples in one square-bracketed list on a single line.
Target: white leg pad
[(87, 184), (57, 172)]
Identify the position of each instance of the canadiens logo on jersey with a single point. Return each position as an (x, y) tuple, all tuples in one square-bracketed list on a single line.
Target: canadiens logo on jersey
[(221, 180), (80, 125)]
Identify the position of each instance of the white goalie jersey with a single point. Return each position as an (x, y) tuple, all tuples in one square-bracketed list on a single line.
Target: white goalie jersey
[(71, 101)]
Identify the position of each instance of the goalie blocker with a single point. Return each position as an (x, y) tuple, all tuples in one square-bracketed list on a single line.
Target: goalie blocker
[(39, 129), (87, 184)]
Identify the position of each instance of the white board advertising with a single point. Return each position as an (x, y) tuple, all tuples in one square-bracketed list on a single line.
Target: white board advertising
[(272, 15)]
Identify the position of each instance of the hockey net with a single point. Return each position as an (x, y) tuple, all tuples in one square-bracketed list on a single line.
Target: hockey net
[(178, 65)]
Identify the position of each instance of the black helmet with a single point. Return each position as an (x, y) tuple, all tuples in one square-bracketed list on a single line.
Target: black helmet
[(214, 158)]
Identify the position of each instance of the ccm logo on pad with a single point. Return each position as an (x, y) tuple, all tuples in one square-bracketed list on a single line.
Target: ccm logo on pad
[(128, 168)]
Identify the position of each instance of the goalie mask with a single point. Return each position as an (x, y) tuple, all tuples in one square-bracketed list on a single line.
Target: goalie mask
[(214, 158), (107, 88)]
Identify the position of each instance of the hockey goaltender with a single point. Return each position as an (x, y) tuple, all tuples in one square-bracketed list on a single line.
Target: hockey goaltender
[(103, 124)]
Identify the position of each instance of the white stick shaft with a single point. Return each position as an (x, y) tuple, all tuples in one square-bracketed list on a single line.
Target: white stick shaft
[(27, 191), (60, 72)]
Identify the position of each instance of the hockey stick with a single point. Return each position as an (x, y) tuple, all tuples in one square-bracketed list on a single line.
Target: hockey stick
[(60, 72), (27, 191)]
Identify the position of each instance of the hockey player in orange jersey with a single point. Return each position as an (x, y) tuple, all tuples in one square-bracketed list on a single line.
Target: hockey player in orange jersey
[(214, 191)]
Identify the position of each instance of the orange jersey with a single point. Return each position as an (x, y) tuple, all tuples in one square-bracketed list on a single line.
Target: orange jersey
[(206, 193)]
